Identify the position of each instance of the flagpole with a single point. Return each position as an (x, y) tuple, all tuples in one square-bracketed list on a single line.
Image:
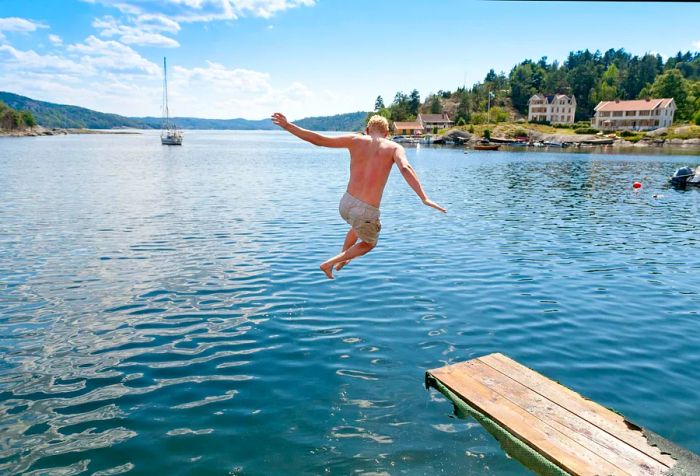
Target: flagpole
[(488, 110)]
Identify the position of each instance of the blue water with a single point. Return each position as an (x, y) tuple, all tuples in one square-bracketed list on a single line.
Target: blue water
[(162, 311)]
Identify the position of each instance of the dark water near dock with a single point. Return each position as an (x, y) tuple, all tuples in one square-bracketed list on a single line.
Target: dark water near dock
[(162, 311)]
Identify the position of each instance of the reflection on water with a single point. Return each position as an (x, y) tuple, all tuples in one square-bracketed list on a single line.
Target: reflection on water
[(161, 309)]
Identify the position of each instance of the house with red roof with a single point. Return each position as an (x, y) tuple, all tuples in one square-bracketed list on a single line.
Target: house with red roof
[(637, 115), (413, 128)]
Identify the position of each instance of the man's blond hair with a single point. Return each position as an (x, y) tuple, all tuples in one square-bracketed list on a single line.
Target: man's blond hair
[(378, 123)]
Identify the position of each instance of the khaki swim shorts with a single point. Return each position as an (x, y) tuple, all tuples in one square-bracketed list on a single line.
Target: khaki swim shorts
[(362, 217)]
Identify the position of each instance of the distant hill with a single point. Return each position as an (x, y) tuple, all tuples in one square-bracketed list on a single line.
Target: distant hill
[(64, 116), (58, 115), (351, 121), (197, 123)]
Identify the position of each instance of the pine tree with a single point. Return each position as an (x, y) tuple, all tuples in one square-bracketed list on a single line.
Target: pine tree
[(379, 104)]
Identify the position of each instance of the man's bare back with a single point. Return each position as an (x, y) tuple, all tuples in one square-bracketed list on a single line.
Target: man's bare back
[(371, 159)]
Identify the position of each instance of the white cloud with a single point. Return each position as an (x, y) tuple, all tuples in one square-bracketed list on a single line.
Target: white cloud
[(111, 55), (267, 8), (109, 76), (56, 40), (21, 25), (696, 44), (30, 61), (216, 91), (204, 10), (146, 31), (105, 73)]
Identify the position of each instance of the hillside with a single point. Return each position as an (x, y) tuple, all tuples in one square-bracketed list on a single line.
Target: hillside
[(217, 124), (52, 115), (352, 121), (63, 116)]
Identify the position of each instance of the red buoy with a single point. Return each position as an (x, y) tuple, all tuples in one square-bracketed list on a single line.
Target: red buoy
[(637, 184)]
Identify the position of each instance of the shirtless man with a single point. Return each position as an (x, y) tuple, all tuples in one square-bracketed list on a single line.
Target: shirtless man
[(371, 159)]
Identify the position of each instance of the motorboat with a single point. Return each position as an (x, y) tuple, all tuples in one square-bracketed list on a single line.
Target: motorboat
[(686, 176)]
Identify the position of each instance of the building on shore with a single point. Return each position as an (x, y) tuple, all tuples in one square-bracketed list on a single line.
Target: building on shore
[(554, 108), (639, 114), (434, 122), (408, 128)]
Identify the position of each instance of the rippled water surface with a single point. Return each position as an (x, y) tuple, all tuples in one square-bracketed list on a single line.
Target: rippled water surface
[(162, 311)]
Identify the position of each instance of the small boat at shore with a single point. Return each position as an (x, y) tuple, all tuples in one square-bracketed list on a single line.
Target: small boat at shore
[(170, 134), (486, 146), (554, 144), (406, 139)]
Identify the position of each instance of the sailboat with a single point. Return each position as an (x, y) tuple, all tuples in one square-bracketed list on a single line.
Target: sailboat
[(170, 134)]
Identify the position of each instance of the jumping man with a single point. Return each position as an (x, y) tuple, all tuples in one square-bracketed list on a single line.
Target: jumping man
[(371, 159)]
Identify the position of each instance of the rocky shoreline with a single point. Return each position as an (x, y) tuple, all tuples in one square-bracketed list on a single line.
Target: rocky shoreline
[(651, 139), (39, 131)]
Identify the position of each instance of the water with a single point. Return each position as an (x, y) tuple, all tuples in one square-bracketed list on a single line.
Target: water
[(162, 311)]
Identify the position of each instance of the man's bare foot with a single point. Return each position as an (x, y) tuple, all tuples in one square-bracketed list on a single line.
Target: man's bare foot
[(341, 265), (327, 269)]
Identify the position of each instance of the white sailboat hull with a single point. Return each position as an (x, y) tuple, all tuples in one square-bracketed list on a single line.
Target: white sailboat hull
[(171, 139)]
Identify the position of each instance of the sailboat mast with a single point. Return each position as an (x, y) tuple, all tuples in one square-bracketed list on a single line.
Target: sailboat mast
[(165, 94)]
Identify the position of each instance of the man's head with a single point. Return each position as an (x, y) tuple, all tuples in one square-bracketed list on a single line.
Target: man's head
[(378, 125)]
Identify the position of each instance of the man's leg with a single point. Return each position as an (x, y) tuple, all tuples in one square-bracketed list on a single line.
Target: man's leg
[(350, 240), (354, 251)]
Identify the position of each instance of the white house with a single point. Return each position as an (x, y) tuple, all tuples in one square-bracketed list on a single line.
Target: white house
[(431, 122), (639, 114), (556, 108)]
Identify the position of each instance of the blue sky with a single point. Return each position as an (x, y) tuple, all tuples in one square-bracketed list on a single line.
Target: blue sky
[(248, 58)]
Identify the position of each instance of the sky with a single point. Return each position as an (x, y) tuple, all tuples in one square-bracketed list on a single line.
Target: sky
[(249, 58)]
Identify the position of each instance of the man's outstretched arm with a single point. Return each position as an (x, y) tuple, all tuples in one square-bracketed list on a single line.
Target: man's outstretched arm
[(309, 136), (412, 179)]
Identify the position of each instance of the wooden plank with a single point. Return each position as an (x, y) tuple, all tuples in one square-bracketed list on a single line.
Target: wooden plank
[(541, 437), (590, 411), (615, 451)]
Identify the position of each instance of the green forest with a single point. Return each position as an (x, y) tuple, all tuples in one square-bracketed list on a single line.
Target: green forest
[(591, 77), (11, 119)]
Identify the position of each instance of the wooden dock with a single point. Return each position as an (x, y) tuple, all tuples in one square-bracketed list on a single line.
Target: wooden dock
[(550, 428)]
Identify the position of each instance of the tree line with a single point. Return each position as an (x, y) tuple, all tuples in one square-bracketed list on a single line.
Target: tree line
[(11, 119), (590, 76)]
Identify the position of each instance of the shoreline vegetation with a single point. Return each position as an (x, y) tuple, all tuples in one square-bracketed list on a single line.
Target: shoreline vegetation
[(683, 135), (38, 131), (12, 120)]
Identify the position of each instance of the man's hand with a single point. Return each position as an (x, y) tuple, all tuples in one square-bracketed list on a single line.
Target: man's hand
[(431, 203), (280, 120)]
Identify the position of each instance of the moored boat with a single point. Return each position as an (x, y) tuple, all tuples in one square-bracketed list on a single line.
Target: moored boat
[(486, 146), (686, 176), (170, 134)]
